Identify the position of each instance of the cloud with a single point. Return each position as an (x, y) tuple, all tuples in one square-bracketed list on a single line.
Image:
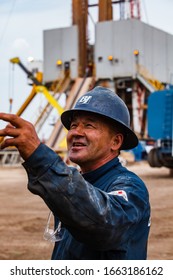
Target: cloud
[(20, 47), (20, 44)]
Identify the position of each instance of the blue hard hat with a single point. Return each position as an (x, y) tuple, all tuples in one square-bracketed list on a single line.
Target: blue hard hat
[(104, 102)]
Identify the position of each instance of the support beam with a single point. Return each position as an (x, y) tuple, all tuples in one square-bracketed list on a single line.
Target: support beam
[(80, 18), (105, 10)]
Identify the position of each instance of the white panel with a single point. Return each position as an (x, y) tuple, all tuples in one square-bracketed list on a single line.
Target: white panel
[(121, 38), (104, 48), (52, 50), (147, 61), (159, 54), (70, 49), (122, 49), (169, 59), (60, 44)]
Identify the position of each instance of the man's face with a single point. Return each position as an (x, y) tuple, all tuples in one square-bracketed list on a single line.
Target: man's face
[(90, 141)]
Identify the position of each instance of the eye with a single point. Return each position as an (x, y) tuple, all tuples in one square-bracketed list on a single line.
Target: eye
[(73, 125), (89, 125)]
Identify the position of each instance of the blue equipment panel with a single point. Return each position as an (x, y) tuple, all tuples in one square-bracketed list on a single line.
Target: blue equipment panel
[(160, 114)]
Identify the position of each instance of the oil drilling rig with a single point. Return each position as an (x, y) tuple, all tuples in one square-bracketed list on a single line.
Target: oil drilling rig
[(130, 57)]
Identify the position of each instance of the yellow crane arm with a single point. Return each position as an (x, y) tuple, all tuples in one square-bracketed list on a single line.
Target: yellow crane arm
[(38, 87), (50, 98)]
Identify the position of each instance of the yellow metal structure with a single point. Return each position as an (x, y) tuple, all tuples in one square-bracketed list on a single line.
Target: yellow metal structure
[(57, 88), (156, 84), (27, 101), (15, 60), (143, 72), (50, 98), (37, 87)]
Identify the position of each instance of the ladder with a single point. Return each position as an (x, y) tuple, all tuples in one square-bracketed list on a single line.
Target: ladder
[(10, 158)]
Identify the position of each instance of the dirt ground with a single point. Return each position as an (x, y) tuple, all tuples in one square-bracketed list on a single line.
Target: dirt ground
[(24, 215)]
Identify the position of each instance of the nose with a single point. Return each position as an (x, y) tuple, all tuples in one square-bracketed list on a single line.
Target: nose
[(77, 131)]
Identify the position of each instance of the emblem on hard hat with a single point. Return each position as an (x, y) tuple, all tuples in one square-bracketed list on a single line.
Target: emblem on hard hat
[(85, 99)]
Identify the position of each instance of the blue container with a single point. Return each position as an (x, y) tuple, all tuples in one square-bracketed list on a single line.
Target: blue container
[(160, 114)]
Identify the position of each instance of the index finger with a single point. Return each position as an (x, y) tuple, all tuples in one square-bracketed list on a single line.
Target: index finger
[(13, 119)]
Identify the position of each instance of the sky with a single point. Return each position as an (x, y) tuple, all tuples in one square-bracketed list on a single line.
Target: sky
[(21, 34)]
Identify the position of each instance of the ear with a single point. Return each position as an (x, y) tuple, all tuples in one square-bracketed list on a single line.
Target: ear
[(117, 141)]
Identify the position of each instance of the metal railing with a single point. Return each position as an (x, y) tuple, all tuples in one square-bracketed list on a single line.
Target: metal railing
[(10, 158)]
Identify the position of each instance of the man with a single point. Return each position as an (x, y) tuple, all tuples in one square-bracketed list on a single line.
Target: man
[(104, 209)]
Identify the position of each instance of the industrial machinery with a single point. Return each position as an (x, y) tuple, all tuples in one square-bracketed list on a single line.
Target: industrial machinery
[(11, 155), (52, 92), (124, 57), (160, 128), (37, 87)]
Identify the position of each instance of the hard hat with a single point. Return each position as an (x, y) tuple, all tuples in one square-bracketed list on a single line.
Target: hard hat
[(104, 102)]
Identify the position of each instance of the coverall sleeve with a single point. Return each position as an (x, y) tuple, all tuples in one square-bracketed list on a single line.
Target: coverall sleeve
[(92, 216)]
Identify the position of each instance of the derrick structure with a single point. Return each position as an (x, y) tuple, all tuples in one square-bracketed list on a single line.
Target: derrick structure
[(124, 57)]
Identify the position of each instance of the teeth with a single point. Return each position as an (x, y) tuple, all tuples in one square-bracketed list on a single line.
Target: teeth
[(78, 144)]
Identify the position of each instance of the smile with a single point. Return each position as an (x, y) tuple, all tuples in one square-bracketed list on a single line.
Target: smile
[(78, 144)]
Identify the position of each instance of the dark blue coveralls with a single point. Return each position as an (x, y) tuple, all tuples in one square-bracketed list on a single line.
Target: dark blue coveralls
[(106, 212)]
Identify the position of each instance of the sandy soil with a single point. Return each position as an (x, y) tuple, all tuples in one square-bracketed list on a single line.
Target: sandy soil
[(23, 215)]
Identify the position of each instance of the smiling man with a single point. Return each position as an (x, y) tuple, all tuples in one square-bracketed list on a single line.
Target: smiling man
[(103, 210), (92, 141)]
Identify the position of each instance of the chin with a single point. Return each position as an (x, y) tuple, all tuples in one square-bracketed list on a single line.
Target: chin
[(76, 160)]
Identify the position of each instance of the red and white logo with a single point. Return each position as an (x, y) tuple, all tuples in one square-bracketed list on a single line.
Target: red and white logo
[(120, 193)]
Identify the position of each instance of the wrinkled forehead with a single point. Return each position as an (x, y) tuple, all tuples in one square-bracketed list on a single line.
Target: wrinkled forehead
[(97, 118)]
